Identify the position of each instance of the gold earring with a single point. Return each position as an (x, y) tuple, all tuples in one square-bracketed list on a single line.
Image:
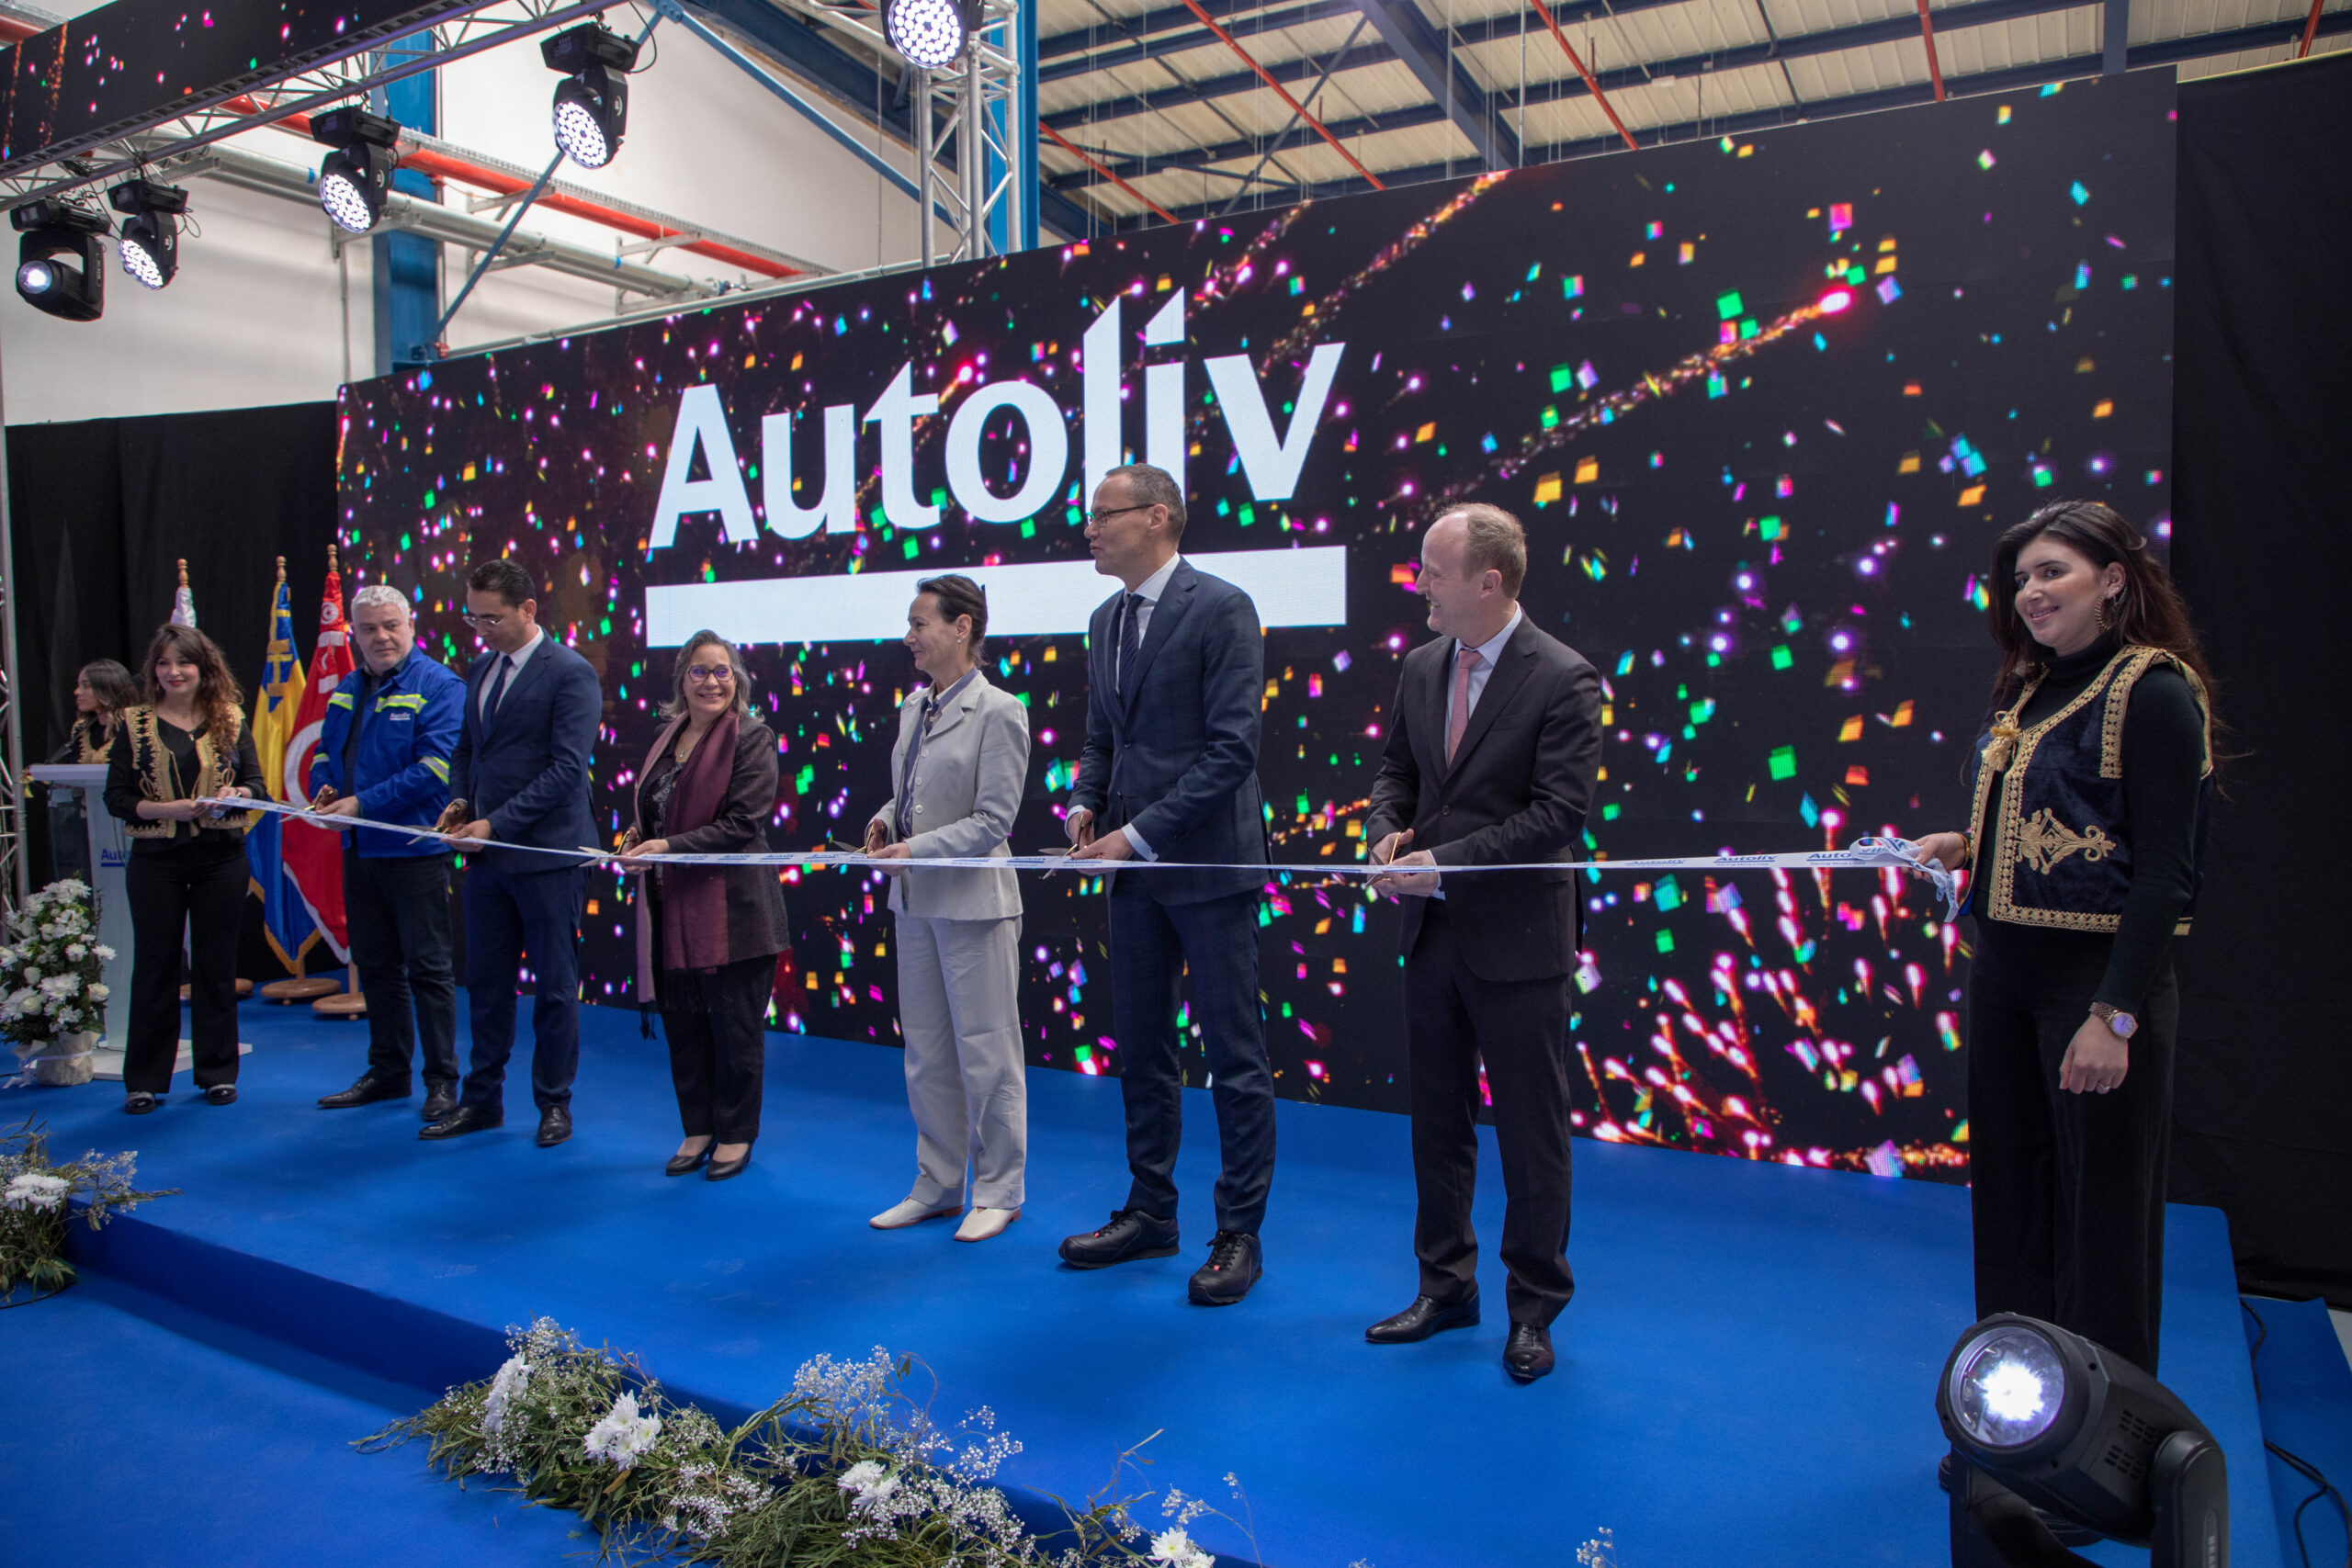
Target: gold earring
[(2103, 610)]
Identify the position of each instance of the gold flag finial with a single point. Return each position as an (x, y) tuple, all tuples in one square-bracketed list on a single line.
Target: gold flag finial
[(335, 563), (281, 569), (183, 572)]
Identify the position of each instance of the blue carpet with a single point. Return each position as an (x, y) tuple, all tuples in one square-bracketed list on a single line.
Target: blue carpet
[(2306, 1389), (1747, 1373), (140, 1433)]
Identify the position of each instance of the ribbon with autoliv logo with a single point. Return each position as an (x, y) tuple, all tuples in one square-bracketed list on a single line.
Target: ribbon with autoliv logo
[(1868, 853)]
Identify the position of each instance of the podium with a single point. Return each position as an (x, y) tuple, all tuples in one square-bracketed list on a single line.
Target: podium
[(79, 820)]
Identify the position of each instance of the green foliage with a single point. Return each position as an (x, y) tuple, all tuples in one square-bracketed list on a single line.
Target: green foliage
[(37, 1201)]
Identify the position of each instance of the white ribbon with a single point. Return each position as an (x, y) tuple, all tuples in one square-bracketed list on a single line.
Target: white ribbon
[(1870, 854)]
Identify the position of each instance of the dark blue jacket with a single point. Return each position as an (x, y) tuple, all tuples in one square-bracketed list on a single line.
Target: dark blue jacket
[(402, 771), (528, 770), (1180, 761)]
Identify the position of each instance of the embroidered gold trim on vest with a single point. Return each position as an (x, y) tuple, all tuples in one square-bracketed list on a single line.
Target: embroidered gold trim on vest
[(2043, 842), (159, 774)]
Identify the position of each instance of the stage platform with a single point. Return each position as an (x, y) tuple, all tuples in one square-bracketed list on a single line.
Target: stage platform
[(1746, 1376)]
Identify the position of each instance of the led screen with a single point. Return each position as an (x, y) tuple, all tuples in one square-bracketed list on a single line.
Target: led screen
[(1762, 404)]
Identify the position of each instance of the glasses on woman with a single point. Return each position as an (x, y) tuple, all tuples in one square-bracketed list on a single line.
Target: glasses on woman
[(709, 674)]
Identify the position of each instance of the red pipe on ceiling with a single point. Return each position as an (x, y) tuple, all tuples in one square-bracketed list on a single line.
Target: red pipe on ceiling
[(1296, 107), (1928, 36), (1592, 86), (1094, 163)]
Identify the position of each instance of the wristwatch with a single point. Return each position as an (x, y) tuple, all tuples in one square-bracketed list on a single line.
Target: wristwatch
[(2122, 1024)]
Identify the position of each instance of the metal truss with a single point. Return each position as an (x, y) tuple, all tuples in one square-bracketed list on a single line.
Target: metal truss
[(371, 64)]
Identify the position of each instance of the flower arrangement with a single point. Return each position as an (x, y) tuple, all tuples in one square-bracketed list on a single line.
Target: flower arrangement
[(49, 985), (845, 1470), (36, 1200)]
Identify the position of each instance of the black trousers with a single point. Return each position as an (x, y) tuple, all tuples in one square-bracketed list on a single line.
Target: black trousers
[(1152, 946), (2067, 1190), (715, 1021), (196, 891), (507, 916), (398, 909), (1520, 1028)]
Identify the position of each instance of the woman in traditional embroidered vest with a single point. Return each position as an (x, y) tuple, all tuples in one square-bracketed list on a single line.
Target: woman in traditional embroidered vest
[(101, 692), (2092, 779), (188, 866)]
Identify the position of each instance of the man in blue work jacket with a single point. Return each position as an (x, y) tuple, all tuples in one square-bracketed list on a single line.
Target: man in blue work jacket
[(384, 755)]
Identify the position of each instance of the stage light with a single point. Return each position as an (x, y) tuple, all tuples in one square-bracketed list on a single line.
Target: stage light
[(149, 242), (356, 177), (61, 260), (592, 103), (930, 33), (2048, 1427)]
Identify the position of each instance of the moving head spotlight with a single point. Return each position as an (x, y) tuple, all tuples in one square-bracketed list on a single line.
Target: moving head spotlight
[(61, 263), (591, 108), (149, 242), (356, 177)]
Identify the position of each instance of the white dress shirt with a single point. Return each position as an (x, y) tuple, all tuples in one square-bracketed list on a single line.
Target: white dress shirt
[(1488, 651), (1150, 587), (515, 662)]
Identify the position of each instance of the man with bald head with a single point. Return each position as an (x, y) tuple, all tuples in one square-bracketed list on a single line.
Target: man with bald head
[(1492, 752)]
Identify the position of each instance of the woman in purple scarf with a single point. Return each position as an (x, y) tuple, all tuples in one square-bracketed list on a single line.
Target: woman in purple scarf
[(707, 936)]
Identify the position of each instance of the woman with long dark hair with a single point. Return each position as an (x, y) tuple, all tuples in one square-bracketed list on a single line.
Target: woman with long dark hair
[(186, 877), (101, 691), (707, 936), (2092, 779)]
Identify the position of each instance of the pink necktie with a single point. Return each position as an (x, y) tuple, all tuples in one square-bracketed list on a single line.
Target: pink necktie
[(1463, 662)]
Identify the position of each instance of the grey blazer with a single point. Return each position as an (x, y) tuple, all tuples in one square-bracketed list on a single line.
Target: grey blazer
[(966, 791)]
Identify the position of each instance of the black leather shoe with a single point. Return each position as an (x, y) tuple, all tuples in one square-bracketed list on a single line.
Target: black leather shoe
[(139, 1103), (220, 1094), (1529, 1354), (555, 1126), (1131, 1234), (687, 1164), (721, 1169), (367, 1091), (1233, 1267), (463, 1120), (1424, 1317), (439, 1102)]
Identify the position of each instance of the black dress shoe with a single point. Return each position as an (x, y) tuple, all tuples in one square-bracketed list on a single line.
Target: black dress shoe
[(555, 1125), (367, 1091), (721, 1169), (1233, 1267), (1529, 1354), (1424, 1317), (687, 1164), (439, 1102), (139, 1103), (220, 1094), (463, 1120), (1131, 1234)]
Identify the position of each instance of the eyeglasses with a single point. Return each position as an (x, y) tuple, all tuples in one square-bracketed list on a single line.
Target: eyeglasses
[(709, 674), (1094, 517), (486, 623)]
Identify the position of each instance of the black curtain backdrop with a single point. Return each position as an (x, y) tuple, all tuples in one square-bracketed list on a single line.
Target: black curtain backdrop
[(2263, 550), (102, 509)]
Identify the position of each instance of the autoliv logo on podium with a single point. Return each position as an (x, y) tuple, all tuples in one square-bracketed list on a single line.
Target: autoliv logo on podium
[(1763, 406)]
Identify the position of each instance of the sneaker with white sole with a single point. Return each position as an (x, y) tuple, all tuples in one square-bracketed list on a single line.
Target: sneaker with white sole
[(907, 1212), (982, 1223)]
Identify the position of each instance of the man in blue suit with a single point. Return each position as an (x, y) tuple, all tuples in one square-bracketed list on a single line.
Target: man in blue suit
[(1176, 666), (518, 779)]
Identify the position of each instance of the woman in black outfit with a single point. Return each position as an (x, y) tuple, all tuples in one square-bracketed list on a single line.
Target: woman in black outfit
[(101, 692), (188, 866), (2092, 780), (707, 936)]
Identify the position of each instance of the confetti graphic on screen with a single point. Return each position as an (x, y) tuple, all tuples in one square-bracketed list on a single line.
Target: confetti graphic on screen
[(1762, 405)]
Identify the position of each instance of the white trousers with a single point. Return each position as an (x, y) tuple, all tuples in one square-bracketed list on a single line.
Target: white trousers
[(959, 1009)]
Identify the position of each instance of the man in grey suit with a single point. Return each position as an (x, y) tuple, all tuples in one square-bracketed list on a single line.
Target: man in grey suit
[(1492, 757), (1175, 667), (960, 763)]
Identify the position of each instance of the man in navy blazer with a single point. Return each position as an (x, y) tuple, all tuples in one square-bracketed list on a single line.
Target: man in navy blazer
[(1175, 669), (519, 778)]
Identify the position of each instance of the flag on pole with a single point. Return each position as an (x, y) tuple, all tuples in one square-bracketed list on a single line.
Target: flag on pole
[(285, 919), (313, 856), (183, 602)]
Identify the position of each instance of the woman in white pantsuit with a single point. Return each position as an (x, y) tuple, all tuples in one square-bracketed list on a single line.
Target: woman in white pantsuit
[(959, 765)]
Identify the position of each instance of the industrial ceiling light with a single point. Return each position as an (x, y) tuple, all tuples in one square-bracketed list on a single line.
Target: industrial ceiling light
[(61, 263), (2047, 1426), (592, 102), (148, 244), (356, 177), (930, 33)]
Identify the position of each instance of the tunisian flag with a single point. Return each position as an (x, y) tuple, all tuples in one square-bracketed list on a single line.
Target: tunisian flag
[(313, 856)]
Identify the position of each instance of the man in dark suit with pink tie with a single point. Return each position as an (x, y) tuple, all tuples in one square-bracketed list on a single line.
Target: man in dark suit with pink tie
[(1492, 752)]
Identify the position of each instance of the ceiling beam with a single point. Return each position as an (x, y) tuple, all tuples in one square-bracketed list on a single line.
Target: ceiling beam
[(1106, 43), (1192, 36), (1409, 36), (1305, 68)]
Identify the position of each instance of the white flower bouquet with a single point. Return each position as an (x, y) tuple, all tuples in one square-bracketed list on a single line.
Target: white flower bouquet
[(39, 1198), (52, 1000)]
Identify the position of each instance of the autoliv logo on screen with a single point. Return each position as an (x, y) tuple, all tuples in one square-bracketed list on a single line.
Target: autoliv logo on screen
[(1269, 458)]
